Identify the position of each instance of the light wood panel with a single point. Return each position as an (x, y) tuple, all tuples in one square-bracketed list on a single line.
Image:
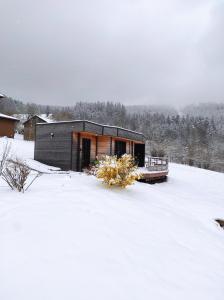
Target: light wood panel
[(103, 145)]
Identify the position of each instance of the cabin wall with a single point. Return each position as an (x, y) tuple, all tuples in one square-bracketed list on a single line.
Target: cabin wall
[(7, 127), (77, 148), (53, 144), (103, 146), (29, 131), (59, 144), (106, 145), (100, 146)]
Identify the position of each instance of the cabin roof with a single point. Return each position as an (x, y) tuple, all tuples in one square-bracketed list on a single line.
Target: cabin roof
[(45, 119), (103, 125), (3, 116), (94, 123)]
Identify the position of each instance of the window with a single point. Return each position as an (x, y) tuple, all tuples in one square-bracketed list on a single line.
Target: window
[(120, 148)]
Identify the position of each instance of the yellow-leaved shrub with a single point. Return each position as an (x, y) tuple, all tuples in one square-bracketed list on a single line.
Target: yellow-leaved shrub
[(117, 171)]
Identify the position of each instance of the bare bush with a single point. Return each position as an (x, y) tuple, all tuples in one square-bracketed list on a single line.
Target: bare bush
[(4, 156), (16, 174)]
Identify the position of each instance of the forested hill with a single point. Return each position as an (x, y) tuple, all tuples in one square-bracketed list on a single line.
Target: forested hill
[(161, 109), (194, 136)]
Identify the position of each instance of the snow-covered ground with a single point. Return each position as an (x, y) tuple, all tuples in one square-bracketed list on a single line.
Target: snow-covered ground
[(24, 150), (70, 237)]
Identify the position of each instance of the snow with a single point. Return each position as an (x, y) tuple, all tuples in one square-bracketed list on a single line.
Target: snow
[(19, 147), (25, 150), (8, 117), (21, 117), (47, 118), (70, 237)]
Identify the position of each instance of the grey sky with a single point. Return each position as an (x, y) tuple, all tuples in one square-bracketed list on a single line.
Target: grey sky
[(133, 51)]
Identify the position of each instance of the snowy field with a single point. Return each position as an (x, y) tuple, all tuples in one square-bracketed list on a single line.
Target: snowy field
[(71, 238)]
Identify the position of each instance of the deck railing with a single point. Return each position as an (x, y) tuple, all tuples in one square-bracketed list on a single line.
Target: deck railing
[(156, 163)]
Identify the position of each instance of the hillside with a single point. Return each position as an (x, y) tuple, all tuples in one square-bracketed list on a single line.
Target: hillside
[(193, 134), (70, 237)]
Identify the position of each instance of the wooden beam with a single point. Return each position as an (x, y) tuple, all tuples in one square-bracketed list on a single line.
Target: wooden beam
[(71, 150), (111, 145), (78, 153), (96, 146)]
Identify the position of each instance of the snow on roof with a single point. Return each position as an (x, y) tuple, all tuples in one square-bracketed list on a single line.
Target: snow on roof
[(21, 117), (42, 117), (1, 95), (8, 117), (46, 118)]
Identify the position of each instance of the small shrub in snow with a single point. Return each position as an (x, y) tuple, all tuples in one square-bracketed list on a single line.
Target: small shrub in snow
[(117, 171), (16, 173), (92, 169)]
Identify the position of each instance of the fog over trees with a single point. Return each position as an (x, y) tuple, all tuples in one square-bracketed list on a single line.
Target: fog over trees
[(193, 136)]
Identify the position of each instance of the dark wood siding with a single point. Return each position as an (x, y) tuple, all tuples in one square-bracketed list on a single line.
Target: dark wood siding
[(129, 135), (94, 128), (54, 145), (112, 131)]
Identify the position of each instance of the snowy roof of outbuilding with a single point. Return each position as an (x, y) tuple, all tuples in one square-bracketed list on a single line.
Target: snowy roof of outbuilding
[(42, 117), (8, 117), (45, 118)]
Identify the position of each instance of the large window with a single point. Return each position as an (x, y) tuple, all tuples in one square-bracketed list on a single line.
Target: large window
[(120, 148)]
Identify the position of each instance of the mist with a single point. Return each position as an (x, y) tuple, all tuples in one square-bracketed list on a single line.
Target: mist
[(134, 52)]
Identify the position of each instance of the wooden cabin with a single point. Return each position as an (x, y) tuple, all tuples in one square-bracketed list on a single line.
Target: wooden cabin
[(74, 145), (7, 125), (30, 127)]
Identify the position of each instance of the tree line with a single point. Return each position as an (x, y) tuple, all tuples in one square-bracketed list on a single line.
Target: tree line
[(195, 136)]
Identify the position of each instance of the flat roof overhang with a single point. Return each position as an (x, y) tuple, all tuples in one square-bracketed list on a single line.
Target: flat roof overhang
[(107, 135), (100, 130)]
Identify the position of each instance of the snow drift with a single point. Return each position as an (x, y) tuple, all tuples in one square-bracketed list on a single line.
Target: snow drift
[(70, 237)]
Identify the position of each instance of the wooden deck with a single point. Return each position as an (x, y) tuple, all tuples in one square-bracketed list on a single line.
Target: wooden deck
[(154, 177), (155, 170)]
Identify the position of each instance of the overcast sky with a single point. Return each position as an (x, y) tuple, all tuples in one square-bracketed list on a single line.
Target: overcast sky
[(132, 51)]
